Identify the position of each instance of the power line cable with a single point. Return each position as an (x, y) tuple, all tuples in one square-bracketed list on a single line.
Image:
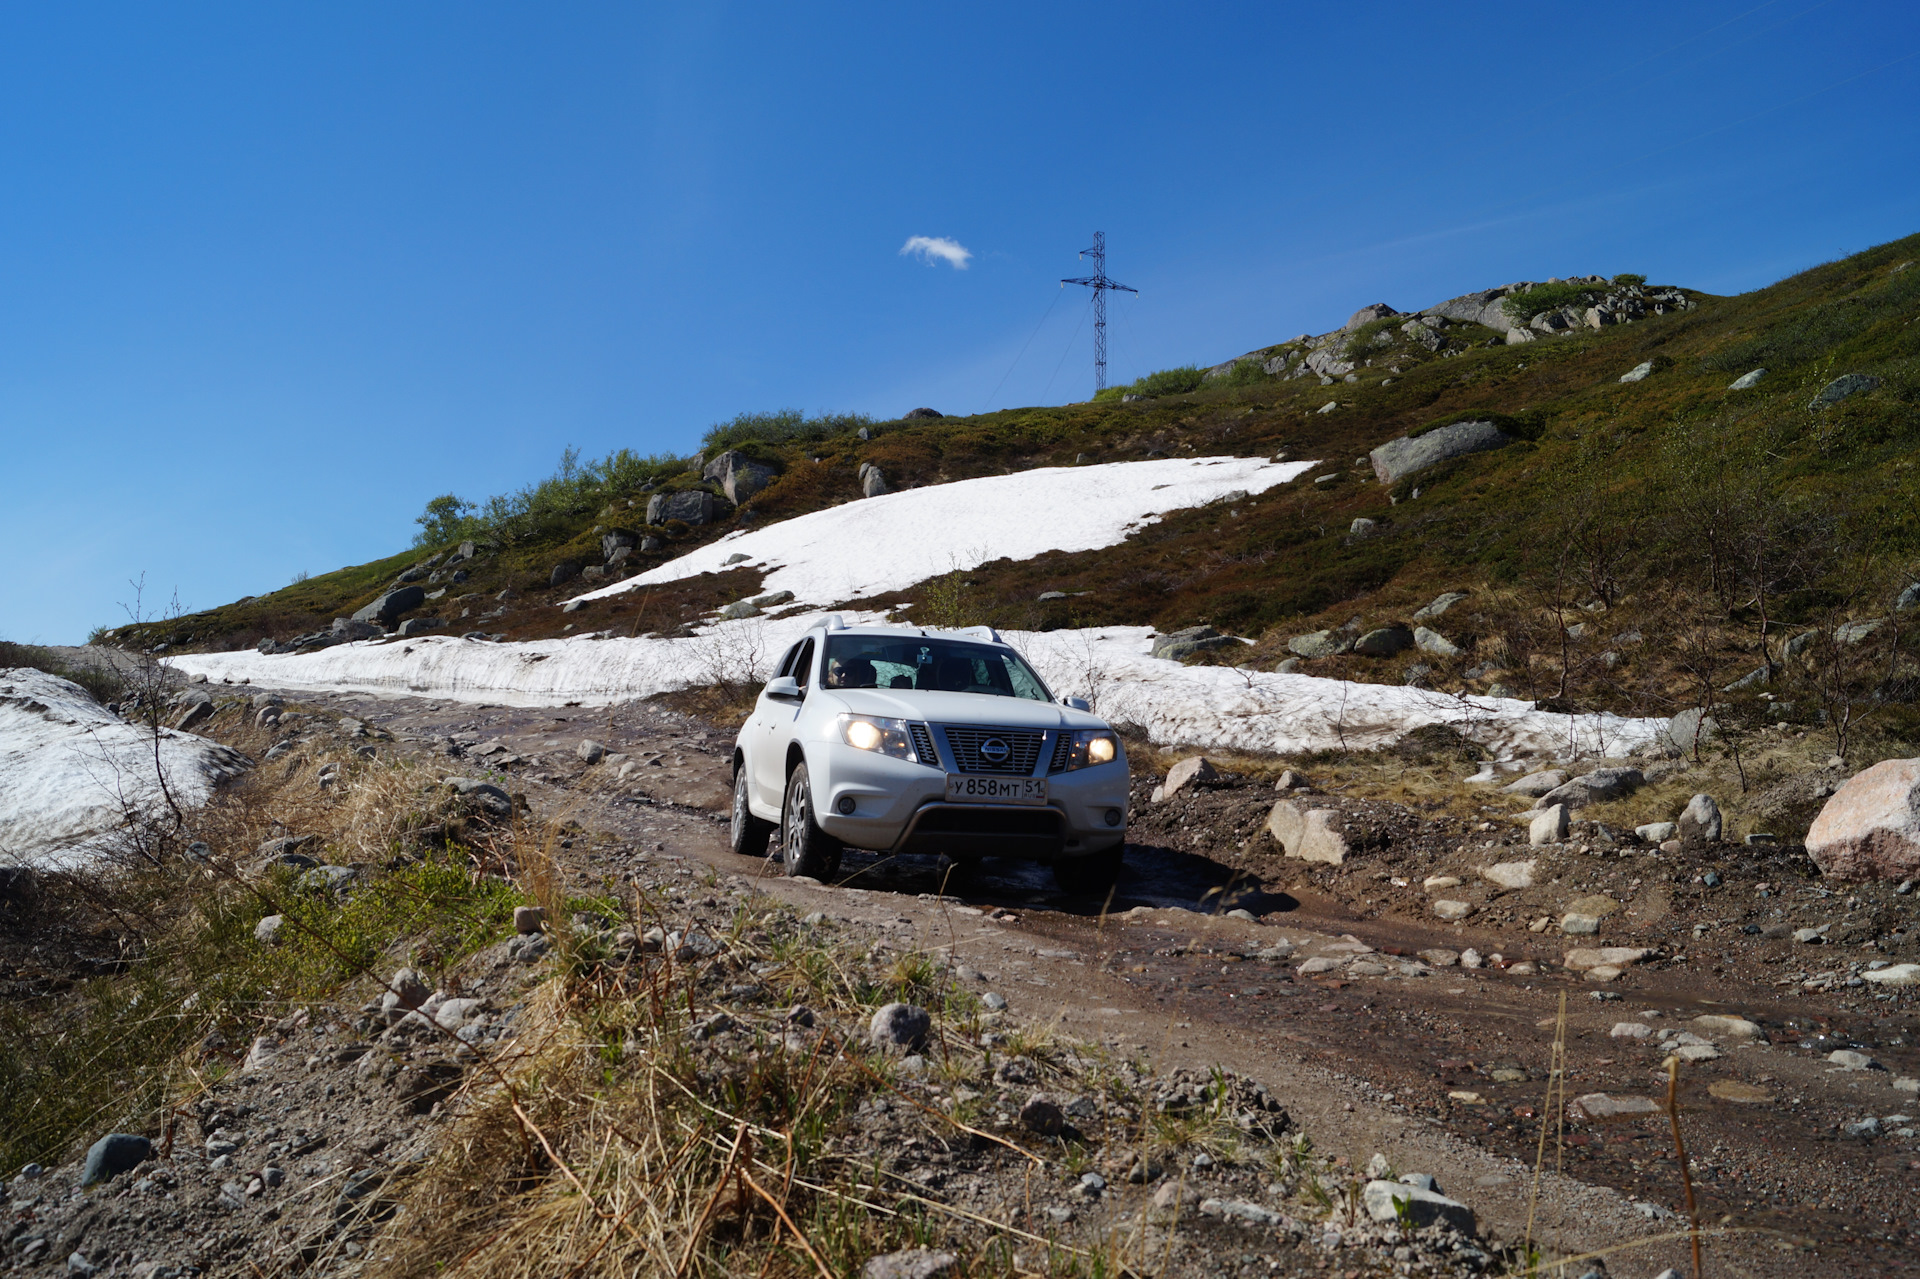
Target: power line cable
[(1069, 351), (1023, 349)]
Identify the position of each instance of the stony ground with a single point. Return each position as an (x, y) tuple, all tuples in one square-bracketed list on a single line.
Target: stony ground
[(1380, 1029)]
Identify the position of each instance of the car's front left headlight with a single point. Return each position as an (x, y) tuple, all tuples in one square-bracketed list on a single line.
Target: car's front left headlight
[(1092, 746), (878, 734)]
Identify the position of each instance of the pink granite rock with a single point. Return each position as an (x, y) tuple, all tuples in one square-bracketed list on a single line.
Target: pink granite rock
[(1870, 829)]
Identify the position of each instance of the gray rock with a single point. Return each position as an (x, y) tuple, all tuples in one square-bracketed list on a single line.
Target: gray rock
[(563, 572), (1321, 644), (196, 713), (1368, 314), (405, 993), (327, 879), (1404, 456), (1046, 596), (1856, 632), (1387, 1200), (1690, 728), (1597, 787), (773, 599), (1841, 387), (1363, 527), (1908, 599), (1287, 666), (1537, 784), (1747, 381), (1434, 642), (739, 476), (485, 795), (590, 752), (112, 1155), (1638, 373), (1752, 679), (1657, 832), (1194, 770), (1193, 639), (911, 1263), (874, 482), (651, 543), (690, 506), (615, 540), (420, 625), (1388, 641), (899, 1028), (915, 415), (1040, 1114), (1550, 827), (1798, 645), (1701, 820), (1439, 606), (1310, 834), (267, 931), (528, 920), (739, 609), (388, 608)]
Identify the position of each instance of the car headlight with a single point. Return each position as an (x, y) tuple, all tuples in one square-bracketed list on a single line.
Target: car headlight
[(877, 734), (1092, 746)]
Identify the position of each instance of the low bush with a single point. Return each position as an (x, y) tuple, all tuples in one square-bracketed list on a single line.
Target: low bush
[(1177, 381), (787, 426), (1523, 306)]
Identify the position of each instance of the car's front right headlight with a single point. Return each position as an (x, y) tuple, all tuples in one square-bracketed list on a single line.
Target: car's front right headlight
[(878, 734), (1092, 746)]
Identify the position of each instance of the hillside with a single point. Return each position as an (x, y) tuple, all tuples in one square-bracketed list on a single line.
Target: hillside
[(1635, 545)]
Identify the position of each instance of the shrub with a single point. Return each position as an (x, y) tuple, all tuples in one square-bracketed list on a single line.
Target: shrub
[(787, 426), (1523, 306), (1628, 280), (103, 681), (1179, 381), (541, 510)]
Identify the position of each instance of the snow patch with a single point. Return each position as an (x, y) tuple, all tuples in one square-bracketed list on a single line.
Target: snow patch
[(1210, 707), (882, 544), (70, 771)]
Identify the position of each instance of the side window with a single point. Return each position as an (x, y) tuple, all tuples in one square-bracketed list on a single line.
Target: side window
[(803, 664), (786, 663)]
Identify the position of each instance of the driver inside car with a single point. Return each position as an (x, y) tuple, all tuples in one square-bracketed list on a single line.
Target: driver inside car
[(856, 672)]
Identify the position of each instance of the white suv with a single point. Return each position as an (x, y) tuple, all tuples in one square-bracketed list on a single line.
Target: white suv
[(905, 740)]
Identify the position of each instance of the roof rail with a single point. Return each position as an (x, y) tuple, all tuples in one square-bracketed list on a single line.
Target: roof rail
[(985, 632), (835, 622)]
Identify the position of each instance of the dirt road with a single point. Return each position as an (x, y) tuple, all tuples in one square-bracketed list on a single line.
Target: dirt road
[(1440, 1069)]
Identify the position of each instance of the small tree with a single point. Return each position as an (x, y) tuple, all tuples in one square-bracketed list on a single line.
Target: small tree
[(444, 521)]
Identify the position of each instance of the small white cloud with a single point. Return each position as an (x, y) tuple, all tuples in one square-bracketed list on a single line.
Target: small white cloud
[(937, 248)]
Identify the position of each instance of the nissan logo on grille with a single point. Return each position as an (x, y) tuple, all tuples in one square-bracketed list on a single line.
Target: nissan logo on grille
[(995, 751)]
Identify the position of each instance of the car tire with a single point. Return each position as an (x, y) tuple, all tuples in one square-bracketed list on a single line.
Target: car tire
[(748, 834), (804, 847), (1089, 873)]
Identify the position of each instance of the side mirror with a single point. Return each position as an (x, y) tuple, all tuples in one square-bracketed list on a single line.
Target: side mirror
[(784, 689), (1076, 703)]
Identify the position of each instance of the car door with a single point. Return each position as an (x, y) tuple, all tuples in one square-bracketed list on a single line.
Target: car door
[(782, 720)]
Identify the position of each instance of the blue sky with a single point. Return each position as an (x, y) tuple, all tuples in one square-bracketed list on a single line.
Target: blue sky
[(272, 276)]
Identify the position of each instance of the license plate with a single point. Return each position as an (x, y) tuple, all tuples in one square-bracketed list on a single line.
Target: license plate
[(965, 788)]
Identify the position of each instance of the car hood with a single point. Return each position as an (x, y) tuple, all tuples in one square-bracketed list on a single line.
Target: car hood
[(961, 708)]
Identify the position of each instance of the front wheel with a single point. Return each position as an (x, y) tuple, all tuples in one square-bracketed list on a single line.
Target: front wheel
[(804, 847), (1089, 873), (748, 834)]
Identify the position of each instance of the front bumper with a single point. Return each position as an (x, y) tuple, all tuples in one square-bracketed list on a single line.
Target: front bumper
[(901, 807)]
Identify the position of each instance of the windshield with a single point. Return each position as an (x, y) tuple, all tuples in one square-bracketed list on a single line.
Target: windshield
[(917, 662)]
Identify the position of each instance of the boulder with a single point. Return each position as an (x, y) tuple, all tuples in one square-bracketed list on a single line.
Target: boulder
[(1389, 1200), (738, 475), (388, 608), (1638, 373), (416, 626), (1189, 771), (689, 506), (1387, 641), (1597, 787), (1657, 832), (590, 752), (615, 540), (195, 713), (1701, 820), (1368, 314), (1841, 387), (1732, 1027), (1689, 729), (1362, 527), (1452, 910), (1747, 381), (740, 609), (1856, 632), (873, 483), (1894, 975), (915, 415), (1439, 606), (1550, 827), (1537, 784), (1870, 828), (911, 1263), (1310, 834), (1598, 1105), (1476, 308), (1404, 456), (1191, 640), (563, 572), (1321, 644), (1434, 642)]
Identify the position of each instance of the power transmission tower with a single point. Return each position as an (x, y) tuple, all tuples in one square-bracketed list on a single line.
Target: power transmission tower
[(1101, 286)]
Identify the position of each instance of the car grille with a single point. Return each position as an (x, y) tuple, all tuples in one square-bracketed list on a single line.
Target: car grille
[(1062, 752), (1023, 749), (923, 745)]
